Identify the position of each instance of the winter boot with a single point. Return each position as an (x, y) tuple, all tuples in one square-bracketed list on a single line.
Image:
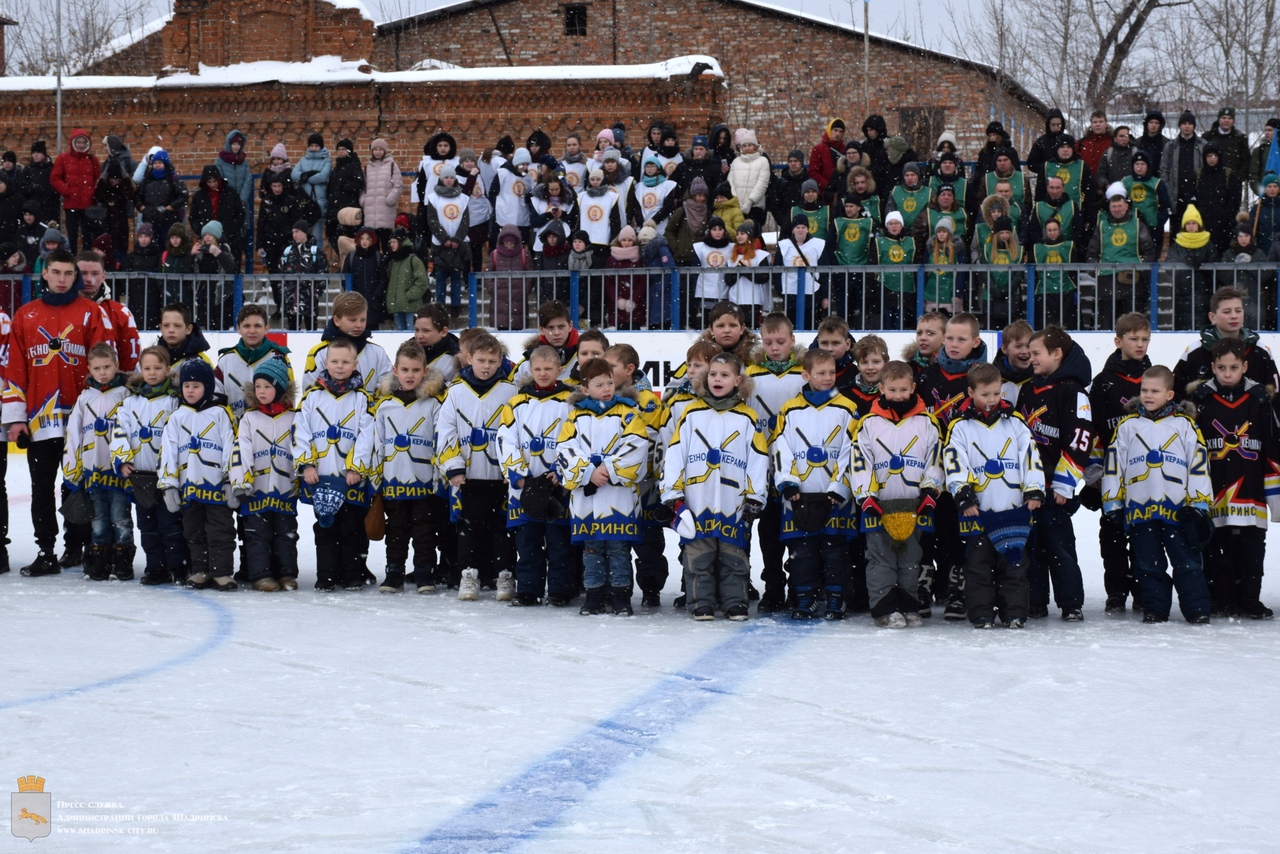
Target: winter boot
[(650, 599), (526, 600), (44, 564), (806, 607), (736, 613), (1115, 604), (156, 577), (594, 603), (835, 604), (266, 585), (620, 601), (200, 581), (4, 559), (771, 602), (289, 582), (224, 583), (95, 565), (891, 621), (394, 582), (469, 585), (955, 609), (506, 586), (73, 548), (122, 565)]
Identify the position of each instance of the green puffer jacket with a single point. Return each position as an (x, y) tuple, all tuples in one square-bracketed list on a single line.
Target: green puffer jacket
[(406, 280)]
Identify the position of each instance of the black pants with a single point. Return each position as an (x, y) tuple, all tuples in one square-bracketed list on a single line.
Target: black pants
[(651, 562), (1233, 568), (943, 548), (270, 545), (339, 554), (444, 544), (210, 531), (484, 543), (77, 223), (44, 461), (408, 522), (769, 530), (820, 560), (856, 596), (1117, 568), (994, 585), (163, 543)]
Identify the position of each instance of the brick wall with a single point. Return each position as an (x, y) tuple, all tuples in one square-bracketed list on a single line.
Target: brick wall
[(784, 75)]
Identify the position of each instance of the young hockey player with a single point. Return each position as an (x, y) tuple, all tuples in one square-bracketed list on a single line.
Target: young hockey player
[(181, 336), (237, 364), (1111, 391), (1013, 359), (872, 355), (555, 330), (86, 465), (894, 475), (931, 328), (811, 441), (350, 321), (468, 453), (1156, 481), (1235, 418), (602, 453), (1226, 320), (195, 464), (331, 431), (777, 376), (403, 461), (431, 331), (729, 331), (834, 337), (264, 477), (135, 451), (1056, 411), (530, 430), (994, 472), (714, 480)]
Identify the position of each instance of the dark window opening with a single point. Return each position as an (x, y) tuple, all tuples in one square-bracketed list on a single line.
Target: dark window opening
[(575, 19)]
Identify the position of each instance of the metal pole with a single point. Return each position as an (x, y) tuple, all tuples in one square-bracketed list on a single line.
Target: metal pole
[(866, 55), (58, 23)]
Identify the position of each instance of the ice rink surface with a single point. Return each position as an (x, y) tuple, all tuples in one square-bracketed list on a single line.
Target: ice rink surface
[(175, 721)]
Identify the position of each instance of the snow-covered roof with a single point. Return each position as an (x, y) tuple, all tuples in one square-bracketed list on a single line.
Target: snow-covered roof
[(127, 40), (334, 69)]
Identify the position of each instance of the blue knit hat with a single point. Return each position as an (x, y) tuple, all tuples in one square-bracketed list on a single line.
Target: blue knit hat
[(1008, 531), (197, 370), (275, 371)]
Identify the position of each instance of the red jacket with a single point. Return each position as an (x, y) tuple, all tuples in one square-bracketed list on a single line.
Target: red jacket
[(124, 333), (822, 161), (1091, 147), (75, 175), (48, 363)]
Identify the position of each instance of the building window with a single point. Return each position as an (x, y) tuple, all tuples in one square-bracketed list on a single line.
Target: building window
[(575, 19)]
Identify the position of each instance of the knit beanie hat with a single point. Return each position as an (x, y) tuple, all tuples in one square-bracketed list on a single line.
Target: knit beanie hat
[(315, 139), (647, 233), (197, 370), (447, 171), (146, 228), (303, 226), (345, 143), (278, 150), (698, 187), (274, 371), (1187, 116), (212, 227), (700, 139), (799, 220), (521, 157), (809, 185), (724, 191)]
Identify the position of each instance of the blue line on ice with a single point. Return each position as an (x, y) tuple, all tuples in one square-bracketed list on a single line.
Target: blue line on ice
[(539, 797), (221, 631)]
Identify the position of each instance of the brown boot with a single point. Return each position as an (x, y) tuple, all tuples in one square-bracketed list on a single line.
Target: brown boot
[(266, 585), (288, 583)]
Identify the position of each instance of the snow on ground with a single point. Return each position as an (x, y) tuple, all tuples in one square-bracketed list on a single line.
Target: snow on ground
[(364, 722)]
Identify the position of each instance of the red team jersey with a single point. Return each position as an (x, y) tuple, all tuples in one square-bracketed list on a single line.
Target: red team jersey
[(48, 363)]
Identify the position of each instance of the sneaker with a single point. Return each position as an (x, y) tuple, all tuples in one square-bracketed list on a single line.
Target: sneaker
[(266, 585), (44, 564), (506, 586), (224, 583), (620, 601), (72, 555), (955, 609), (806, 607), (1199, 620), (1016, 623), (913, 620), (650, 599), (771, 602), (469, 586), (156, 577), (199, 581), (984, 624), (835, 604), (737, 613), (681, 602), (288, 583), (594, 603), (891, 621), (426, 588), (526, 600), (394, 582), (704, 613), (1152, 617), (1035, 612), (1072, 615), (1116, 604)]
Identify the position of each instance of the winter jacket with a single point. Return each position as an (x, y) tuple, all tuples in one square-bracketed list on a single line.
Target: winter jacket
[(467, 428), (117, 199), (11, 205), (224, 206), (785, 193), (1129, 481), (813, 451), (749, 179), (163, 200), (1092, 146), (235, 171), (708, 169), (196, 452), (824, 159), (431, 164), (1170, 166), (223, 263), (1218, 198), (406, 279), (1153, 145), (311, 176), (382, 187), (1046, 145), (37, 188), (303, 258), (1116, 165), (177, 260), (118, 153), (75, 175), (144, 259), (368, 278), (1264, 219), (346, 185), (1234, 147), (403, 440), (276, 216), (1111, 390), (1197, 362), (1056, 410)]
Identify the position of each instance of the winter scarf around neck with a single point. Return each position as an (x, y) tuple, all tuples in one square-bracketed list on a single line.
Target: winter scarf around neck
[(338, 387), (1192, 239), (960, 366), (600, 407), (695, 215), (720, 404), (478, 385), (625, 253), (818, 398), (1163, 412)]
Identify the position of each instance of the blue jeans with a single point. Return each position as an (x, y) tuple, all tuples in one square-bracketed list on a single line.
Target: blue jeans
[(444, 277), (404, 321), (1151, 542), (543, 559), (1053, 557), (606, 562), (112, 518)]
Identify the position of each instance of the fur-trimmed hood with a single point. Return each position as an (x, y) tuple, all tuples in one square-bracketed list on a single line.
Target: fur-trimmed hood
[(758, 355), (289, 398), (745, 348), (134, 382), (745, 390), (865, 172), (628, 391), (432, 384), (1186, 407), (1250, 387), (988, 203)]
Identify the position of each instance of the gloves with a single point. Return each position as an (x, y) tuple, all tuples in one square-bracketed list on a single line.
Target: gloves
[(870, 509), (684, 522), (835, 499), (966, 498), (1092, 474), (751, 510), (790, 492), (233, 500), (172, 501), (927, 504), (624, 305)]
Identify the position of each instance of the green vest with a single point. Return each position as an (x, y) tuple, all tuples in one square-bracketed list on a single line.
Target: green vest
[(1145, 196), (998, 281), (959, 217), (817, 219), (939, 285), (1119, 241), (1070, 174), (871, 206), (1049, 281), (1016, 181), (853, 240), (961, 185), (897, 253), (910, 203), (1065, 214)]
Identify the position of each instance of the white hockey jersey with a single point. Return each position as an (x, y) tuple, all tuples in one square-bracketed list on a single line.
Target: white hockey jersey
[(86, 458), (402, 444), (618, 440), (997, 457), (716, 462), (467, 429), (196, 453), (263, 470), (773, 391), (372, 364), (237, 365), (140, 426), (896, 458), (528, 438), (1156, 465), (811, 443), (326, 430)]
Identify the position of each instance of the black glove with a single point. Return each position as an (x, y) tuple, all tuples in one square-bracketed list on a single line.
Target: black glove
[(752, 509), (790, 492), (966, 498), (1116, 517)]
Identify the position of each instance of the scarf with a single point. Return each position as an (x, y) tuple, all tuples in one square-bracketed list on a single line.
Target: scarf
[(721, 404), (283, 166), (331, 332), (695, 215), (865, 387), (448, 192), (1211, 336), (228, 157), (1163, 412), (625, 253), (600, 407), (566, 352), (537, 391), (509, 248), (447, 344), (114, 382), (50, 298), (779, 366), (900, 408), (478, 385), (960, 366), (273, 409), (580, 260), (252, 357), (654, 180), (338, 387), (557, 250), (153, 391), (818, 398), (1192, 239)]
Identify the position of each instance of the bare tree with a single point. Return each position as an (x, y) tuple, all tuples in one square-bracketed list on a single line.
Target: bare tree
[(88, 27), (1230, 55)]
